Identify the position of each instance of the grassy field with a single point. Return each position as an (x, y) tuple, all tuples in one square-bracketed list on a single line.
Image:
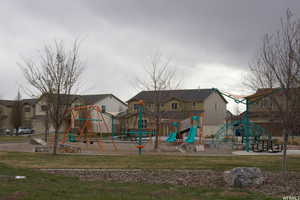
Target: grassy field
[(13, 138), (42, 186), (39, 160)]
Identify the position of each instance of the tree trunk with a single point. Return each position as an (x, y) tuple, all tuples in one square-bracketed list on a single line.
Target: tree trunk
[(157, 132), (157, 119), (55, 141), (284, 157), (46, 126), (46, 134)]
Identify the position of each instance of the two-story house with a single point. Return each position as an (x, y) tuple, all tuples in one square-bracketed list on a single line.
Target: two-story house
[(263, 111), (5, 114), (109, 103), (177, 105), (34, 111)]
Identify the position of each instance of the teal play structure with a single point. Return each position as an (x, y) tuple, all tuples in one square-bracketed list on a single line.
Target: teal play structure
[(193, 130), (141, 132), (192, 133), (251, 133), (172, 136)]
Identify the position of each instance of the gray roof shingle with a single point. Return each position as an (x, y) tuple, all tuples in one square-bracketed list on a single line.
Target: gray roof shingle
[(188, 95), (93, 98)]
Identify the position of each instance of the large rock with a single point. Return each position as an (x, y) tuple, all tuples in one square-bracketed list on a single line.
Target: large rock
[(37, 141), (244, 177)]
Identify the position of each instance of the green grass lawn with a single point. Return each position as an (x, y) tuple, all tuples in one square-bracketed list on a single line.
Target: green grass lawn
[(43, 186), (40, 160), (13, 138)]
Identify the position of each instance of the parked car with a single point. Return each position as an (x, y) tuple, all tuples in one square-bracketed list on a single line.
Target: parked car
[(5, 131), (23, 131)]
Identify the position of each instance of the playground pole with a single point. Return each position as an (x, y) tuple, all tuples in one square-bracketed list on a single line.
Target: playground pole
[(140, 126), (247, 127), (112, 126)]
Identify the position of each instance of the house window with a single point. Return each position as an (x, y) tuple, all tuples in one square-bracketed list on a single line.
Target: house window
[(135, 107), (174, 106), (144, 123), (194, 104), (27, 109), (162, 105), (103, 108), (216, 107), (44, 108)]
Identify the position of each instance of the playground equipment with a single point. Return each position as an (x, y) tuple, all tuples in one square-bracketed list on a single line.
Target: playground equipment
[(141, 133), (86, 121), (237, 128), (249, 131), (192, 130), (173, 136)]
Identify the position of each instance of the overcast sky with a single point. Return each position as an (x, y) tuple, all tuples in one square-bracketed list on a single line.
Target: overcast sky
[(210, 41)]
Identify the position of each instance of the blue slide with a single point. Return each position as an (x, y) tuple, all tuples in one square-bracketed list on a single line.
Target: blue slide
[(192, 135), (172, 137)]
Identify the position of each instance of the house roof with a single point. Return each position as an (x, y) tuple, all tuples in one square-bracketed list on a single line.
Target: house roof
[(188, 95), (7, 102), (94, 98), (65, 98), (261, 93), (88, 99), (29, 101)]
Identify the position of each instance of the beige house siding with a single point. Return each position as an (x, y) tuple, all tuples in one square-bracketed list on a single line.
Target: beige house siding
[(215, 113), (215, 110), (6, 113), (167, 106), (197, 105)]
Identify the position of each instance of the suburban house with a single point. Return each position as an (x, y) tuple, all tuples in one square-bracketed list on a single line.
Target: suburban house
[(108, 103), (178, 105), (265, 113), (5, 114), (34, 110)]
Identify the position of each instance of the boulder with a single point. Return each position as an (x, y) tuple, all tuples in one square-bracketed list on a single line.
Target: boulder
[(37, 141), (244, 177)]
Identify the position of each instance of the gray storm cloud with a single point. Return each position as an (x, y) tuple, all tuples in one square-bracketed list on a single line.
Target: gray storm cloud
[(211, 42)]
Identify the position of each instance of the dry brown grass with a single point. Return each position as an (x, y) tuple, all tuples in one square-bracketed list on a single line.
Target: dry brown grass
[(38, 160)]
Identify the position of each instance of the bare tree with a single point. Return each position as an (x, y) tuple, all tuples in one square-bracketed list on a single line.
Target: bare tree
[(277, 68), (17, 113), (55, 76), (160, 75)]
